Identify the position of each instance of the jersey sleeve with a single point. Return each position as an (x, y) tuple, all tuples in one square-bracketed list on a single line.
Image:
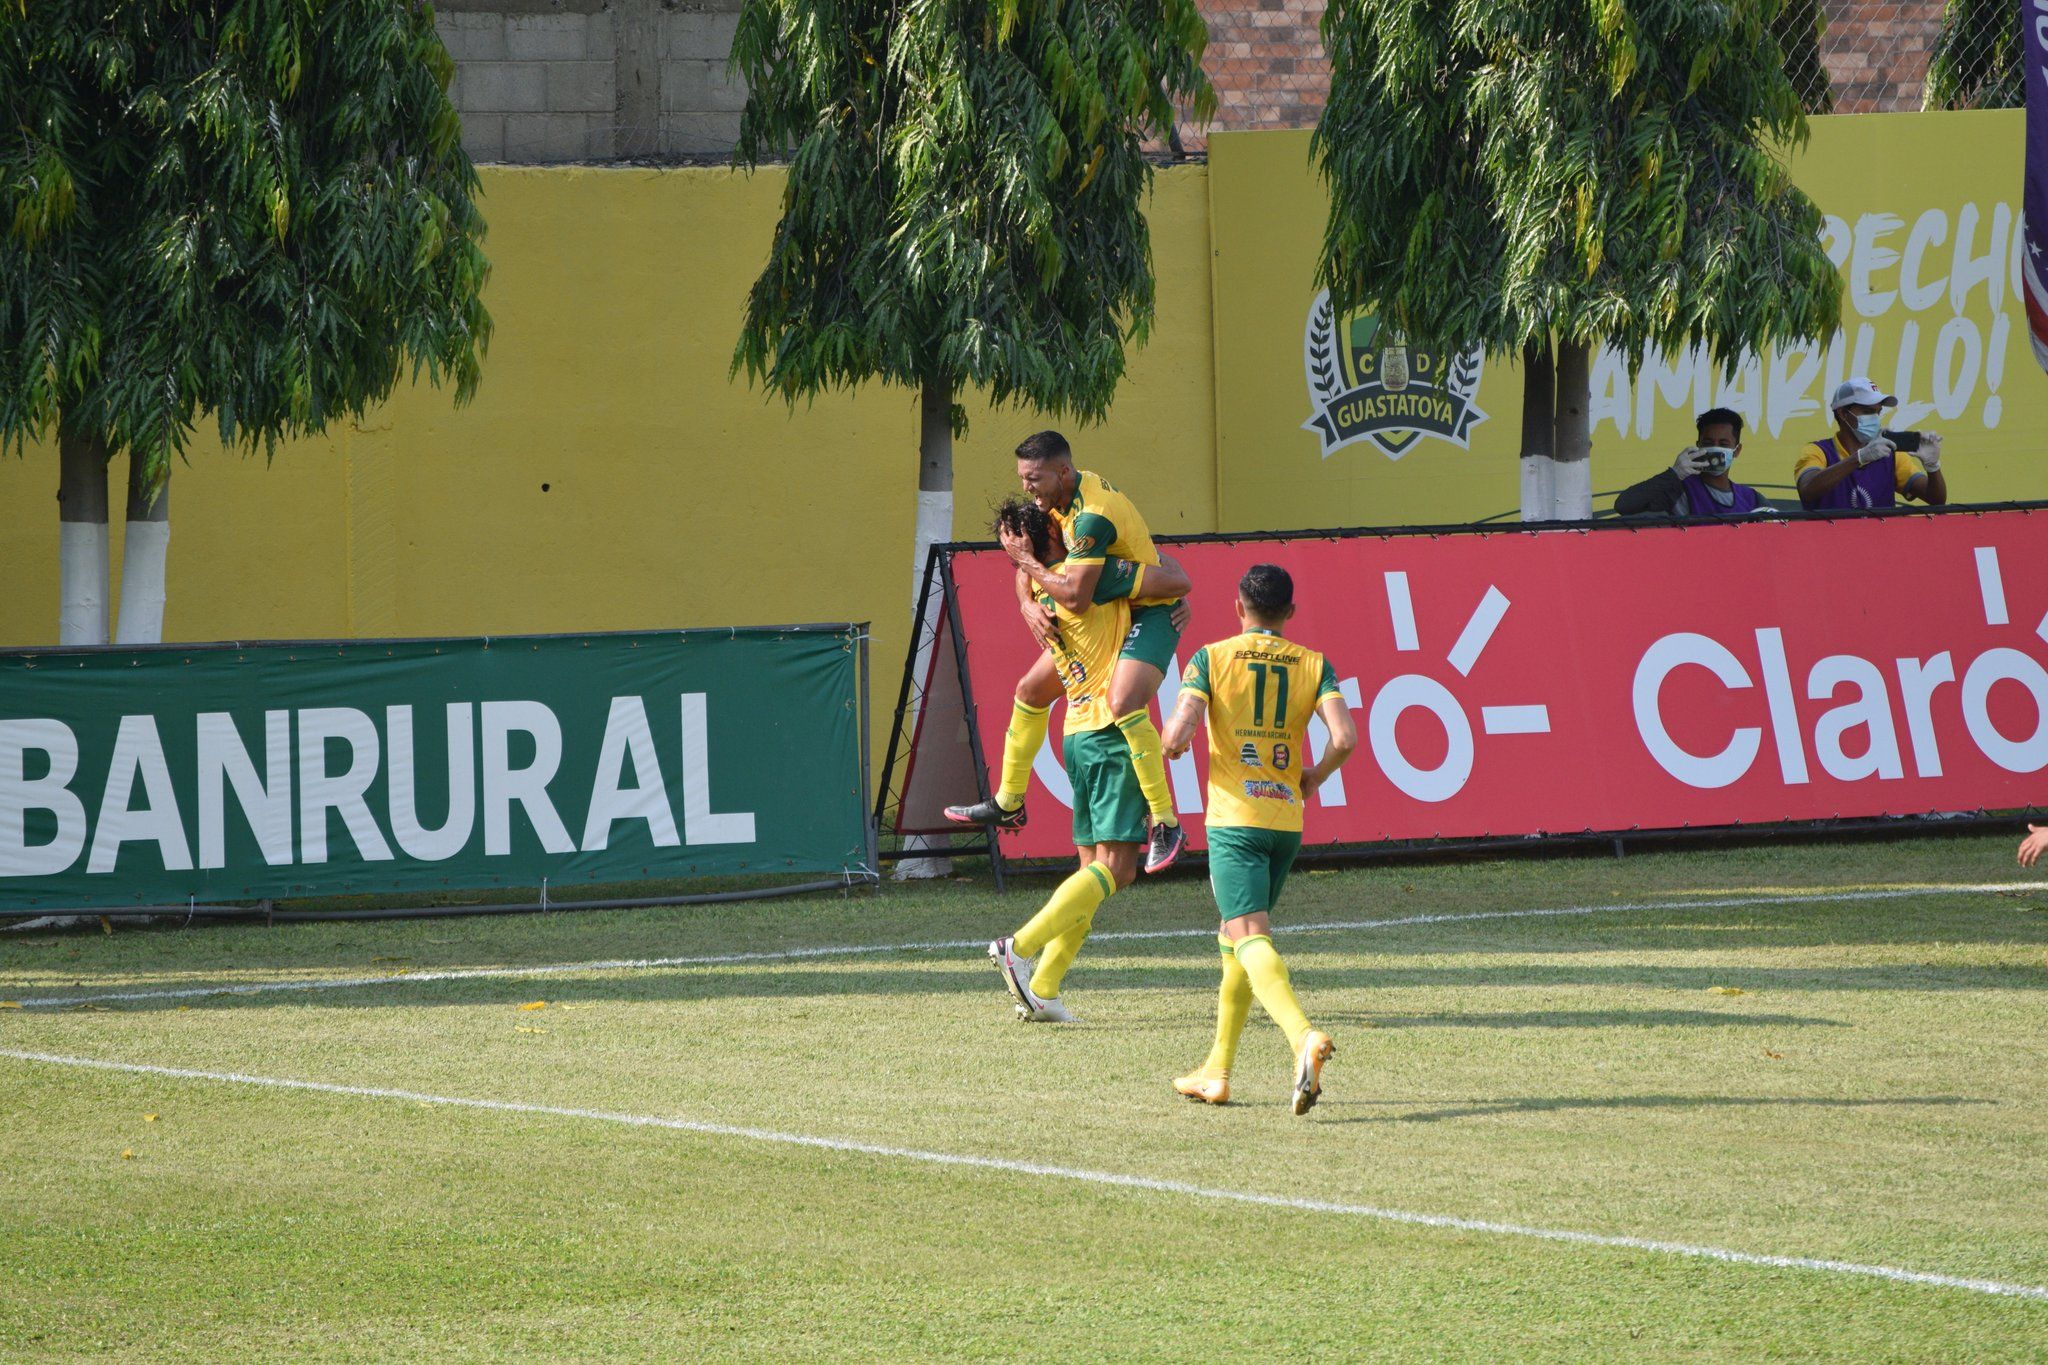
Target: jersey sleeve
[(1120, 578), (1326, 686), (1195, 677), (1809, 458), (1089, 540), (1906, 468)]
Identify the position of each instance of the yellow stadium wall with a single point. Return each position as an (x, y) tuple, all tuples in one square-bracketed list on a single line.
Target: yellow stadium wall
[(1921, 222), (608, 475)]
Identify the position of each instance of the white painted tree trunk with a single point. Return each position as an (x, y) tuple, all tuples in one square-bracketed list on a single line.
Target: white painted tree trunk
[(934, 526), (83, 572), (1556, 464), (145, 547), (1572, 493)]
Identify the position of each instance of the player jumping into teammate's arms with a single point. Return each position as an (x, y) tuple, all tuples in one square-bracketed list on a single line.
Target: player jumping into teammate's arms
[(1098, 525), (1259, 690), (1109, 807)]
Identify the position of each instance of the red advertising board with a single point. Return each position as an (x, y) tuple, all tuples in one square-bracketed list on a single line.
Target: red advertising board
[(1616, 679)]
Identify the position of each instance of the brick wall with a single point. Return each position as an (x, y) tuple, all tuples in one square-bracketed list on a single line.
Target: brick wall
[(1876, 53)]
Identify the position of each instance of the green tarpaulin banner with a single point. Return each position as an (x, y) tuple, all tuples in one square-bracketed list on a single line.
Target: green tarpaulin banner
[(233, 772)]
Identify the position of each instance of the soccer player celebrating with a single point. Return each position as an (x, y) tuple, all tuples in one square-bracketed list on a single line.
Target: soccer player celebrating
[(1109, 808), (1098, 525), (1259, 690)]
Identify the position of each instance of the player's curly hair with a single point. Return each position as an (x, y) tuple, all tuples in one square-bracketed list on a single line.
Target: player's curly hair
[(1022, 517)]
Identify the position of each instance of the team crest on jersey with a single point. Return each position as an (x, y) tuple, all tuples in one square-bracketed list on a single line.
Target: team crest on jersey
[(1259, 790), (1080, 545), (1366, 383), (1249, 755)]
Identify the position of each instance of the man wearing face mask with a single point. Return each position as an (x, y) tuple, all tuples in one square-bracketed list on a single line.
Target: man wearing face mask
[(1861, 465), (1697, 484)]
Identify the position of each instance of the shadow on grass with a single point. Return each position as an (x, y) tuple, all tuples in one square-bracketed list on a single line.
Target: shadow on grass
[(1586, 1019), (1544, 1104)]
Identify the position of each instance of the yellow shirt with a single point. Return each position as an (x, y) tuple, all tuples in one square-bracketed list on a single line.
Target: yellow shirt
[(1086, 648), (1261, 691), (1905, 468), (1101, 523)]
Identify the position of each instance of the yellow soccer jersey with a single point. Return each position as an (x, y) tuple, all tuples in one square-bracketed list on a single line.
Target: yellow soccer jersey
[(1261, 691), (1088, 643), (1101, 523)]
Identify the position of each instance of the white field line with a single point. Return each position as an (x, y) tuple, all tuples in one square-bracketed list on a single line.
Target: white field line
[(1008, 1166), (403, 978)]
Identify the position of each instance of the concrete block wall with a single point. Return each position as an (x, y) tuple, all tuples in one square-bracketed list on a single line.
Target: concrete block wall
[(542, 81), (603, 80)]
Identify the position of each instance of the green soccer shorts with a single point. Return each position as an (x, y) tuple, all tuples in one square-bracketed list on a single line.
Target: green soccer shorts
[(1152, 639), (1248, 866), (1108, 807)]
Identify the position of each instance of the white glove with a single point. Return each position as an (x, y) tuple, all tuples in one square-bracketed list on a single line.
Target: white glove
[(1875, 451), (1690, 461), (1930, 451)]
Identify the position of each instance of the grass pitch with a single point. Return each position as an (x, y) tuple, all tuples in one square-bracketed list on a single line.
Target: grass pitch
[(1853, 1080)]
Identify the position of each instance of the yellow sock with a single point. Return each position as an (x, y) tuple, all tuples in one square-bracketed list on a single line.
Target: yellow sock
[(1268, 974), (1233, 1003), (1075, 900), (1148, 759), (1057, 957), (1021, 743)]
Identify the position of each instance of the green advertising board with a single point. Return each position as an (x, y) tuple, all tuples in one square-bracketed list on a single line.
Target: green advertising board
[(231, 772)]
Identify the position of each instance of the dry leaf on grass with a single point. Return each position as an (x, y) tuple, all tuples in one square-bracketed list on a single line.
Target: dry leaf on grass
[(1774, 1056), (149, 1118), (1726, 990), (525, 1029), (534, 1005), (127, 1154)]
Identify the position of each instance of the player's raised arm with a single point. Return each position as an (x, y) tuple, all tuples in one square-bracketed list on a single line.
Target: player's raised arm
[(1166, 578), (1073, 587)]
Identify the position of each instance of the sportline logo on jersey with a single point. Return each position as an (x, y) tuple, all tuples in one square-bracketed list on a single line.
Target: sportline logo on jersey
[(229, 772), (1366, 383), (1491, 700)]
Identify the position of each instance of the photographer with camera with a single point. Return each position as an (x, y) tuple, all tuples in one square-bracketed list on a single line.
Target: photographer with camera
[(1862, 464), (1697, 484)]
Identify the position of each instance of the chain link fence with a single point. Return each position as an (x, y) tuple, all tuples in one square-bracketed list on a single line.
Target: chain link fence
[(1266, 58)]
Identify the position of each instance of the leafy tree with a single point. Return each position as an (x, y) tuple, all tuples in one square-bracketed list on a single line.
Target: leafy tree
[(964, 202), (258, 210), (1977, 58), (1798, 29), (1543, 177)]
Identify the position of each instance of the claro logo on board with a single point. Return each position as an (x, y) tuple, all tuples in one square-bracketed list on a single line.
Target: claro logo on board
[(1862, 715)]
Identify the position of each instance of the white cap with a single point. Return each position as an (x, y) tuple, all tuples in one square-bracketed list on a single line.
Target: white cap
[(1860, 392)]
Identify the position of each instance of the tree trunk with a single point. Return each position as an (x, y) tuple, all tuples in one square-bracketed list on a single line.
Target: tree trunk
[(83, 574), (1573, 491), (1539, 430), (144, 547), (934, 525)]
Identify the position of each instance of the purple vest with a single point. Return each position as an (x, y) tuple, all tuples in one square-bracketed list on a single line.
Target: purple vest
[(1872, 485), (1701, 502)]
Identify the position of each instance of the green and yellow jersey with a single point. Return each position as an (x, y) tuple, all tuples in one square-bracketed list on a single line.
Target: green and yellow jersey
[(1261, 690), (1087, 643), (1101, 524)]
